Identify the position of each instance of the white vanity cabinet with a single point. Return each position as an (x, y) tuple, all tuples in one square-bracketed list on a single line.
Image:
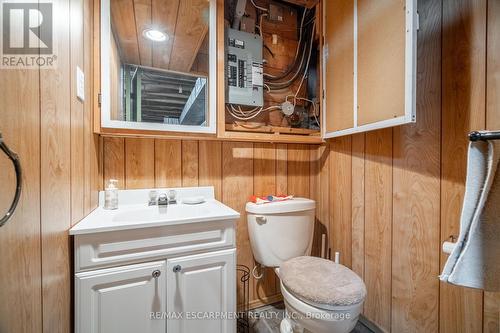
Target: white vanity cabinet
[(173, 270), (183, 294)]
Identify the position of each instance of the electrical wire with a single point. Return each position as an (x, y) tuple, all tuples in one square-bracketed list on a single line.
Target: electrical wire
[(294, 62), (244, 115), (240, 114), (282, 85), (260, 24), (306, 70), (258, 7), (287, 72), (268, 50), (285, 84)]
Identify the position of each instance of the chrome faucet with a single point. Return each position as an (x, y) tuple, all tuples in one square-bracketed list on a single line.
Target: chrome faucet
[(153, 198), (172, 197), (164, 199)]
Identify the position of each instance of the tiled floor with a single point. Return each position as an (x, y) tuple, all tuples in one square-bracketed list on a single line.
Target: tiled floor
[(267, 320)]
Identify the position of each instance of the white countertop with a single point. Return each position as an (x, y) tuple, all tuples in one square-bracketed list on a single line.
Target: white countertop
[(133, 212)]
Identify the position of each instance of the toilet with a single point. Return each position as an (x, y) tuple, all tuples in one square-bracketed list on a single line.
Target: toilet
[(320, 295)]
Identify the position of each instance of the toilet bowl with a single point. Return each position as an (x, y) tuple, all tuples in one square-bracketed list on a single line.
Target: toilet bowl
[(319, 295), (302, 315)]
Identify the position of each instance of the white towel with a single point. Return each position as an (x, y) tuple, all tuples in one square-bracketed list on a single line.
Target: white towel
[(475, 259)]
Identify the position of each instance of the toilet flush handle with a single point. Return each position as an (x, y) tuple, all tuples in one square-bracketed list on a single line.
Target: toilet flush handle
[(260, 219)]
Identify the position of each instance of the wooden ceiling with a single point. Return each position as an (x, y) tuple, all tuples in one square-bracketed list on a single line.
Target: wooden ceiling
[(184, 21)]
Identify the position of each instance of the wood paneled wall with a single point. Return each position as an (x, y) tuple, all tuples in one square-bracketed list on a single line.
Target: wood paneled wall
[(396, 194), (42, 120), (237, 170), (387, 199)]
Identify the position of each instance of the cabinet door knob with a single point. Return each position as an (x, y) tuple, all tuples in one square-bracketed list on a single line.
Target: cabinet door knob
[(177, 268), (156, 273)]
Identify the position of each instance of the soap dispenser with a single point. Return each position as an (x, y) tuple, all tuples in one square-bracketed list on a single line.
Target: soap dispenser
[(111, 195)]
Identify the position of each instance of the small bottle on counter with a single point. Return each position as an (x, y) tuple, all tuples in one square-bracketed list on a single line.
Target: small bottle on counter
[(111, 195)]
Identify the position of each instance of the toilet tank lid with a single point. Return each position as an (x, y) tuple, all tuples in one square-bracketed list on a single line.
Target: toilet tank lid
[(287, 206)]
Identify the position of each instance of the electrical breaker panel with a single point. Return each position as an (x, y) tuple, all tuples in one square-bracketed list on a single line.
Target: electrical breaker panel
[(244, 71)]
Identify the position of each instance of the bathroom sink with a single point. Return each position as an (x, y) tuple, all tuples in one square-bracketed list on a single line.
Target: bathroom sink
[(169, 213), (133, 212)]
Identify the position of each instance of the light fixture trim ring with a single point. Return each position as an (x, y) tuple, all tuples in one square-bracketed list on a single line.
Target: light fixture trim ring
[(155, 35)]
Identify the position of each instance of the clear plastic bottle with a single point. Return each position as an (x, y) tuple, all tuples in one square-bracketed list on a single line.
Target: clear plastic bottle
[(111, 195)]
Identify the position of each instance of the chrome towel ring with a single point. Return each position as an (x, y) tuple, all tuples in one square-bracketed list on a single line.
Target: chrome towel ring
[(19, 185)]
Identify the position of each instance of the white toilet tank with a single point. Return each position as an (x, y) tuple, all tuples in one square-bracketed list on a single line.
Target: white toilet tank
[(280, 230)]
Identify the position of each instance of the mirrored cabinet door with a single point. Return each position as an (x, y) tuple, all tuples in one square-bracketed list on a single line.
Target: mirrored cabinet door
[(158, 65)]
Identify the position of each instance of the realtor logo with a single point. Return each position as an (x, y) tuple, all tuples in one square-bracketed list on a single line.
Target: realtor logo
[(27, 35)]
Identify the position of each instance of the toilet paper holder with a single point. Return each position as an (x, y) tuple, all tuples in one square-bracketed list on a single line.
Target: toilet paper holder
[(449, 245)]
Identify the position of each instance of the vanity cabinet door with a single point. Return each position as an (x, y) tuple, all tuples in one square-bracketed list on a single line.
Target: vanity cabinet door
[(121, 299), (199, 286)]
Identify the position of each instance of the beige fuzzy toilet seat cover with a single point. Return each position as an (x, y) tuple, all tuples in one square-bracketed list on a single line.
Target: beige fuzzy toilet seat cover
[(322, 281)]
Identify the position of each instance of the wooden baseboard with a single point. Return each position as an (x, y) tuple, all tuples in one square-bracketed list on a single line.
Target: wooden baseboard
[(371, 325)]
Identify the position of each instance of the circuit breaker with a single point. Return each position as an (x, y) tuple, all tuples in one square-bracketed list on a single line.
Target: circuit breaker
[(244, 70)]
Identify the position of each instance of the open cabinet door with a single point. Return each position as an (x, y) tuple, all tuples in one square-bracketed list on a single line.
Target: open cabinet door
[(369, 65)]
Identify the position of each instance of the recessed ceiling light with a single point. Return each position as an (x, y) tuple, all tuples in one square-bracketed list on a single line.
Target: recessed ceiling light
[(155, 35)]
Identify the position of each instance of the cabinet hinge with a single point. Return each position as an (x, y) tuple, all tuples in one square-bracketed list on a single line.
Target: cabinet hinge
[(99, 99), (418, 21), (325, 51)]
